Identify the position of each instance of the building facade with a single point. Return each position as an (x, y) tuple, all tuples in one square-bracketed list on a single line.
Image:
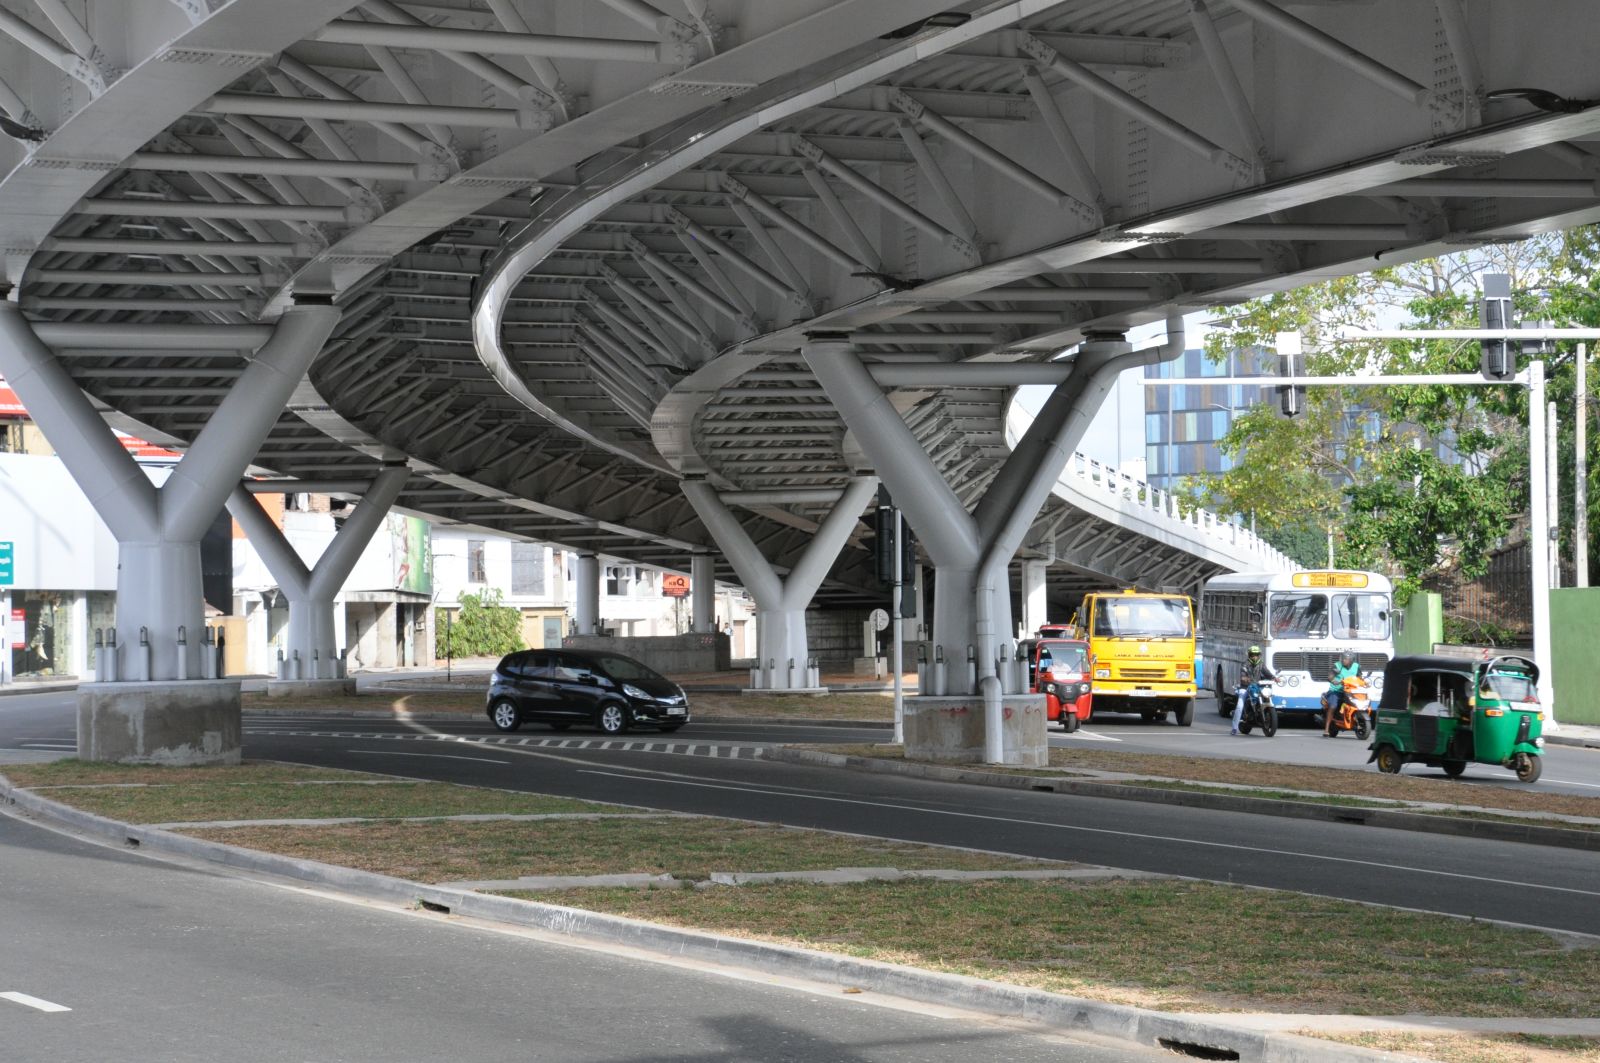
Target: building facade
[(1183, 423)]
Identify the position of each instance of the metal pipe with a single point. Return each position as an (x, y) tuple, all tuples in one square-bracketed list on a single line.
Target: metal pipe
[(1539, 533), (1499, 188), (866, 254), (877, 193), (1061, 133), (490, 42), (204, 306), (364, 111), (1233, 97), (196, 208), (1334, 49), (824, 247), (970, 374), (45, 47), (935, 174), (994, 159), (112, 246), (260, 164), (694, 284), (153, 277), (295, 487), (746, 265), (797, 496), (771, 249), (1580, 471), (148, 337)]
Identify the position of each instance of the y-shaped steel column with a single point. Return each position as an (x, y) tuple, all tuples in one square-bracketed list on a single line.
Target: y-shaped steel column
[(158, 530), (310, 591), (971, 552), (586, 595), (781, 603), (703, 592)]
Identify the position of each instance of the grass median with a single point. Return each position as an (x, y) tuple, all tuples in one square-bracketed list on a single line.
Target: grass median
[(1265, 776), (718, 705), (1474, 1048)]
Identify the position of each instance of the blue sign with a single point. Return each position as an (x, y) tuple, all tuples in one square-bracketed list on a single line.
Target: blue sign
[(8, 568)]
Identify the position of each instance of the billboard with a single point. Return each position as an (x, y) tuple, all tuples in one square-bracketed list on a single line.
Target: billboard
[(411, 547), (674, 586)]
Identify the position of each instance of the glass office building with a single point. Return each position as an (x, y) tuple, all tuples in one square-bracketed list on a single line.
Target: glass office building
[(1183, 422)]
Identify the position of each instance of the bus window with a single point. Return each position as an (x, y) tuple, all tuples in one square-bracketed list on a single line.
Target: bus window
[(1299, 616), (1360, 616)]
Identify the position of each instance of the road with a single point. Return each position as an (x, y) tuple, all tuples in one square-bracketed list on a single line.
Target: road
[(710, 768), (112, 955)]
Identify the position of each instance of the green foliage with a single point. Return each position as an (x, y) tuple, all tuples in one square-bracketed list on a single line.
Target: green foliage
[(1363, 460), (483, 628), (1461, 631)]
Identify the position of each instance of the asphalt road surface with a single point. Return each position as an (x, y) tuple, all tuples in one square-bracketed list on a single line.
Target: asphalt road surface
[(116, 956)]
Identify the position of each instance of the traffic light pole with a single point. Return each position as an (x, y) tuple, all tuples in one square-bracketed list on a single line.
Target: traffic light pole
[(1532, 378)]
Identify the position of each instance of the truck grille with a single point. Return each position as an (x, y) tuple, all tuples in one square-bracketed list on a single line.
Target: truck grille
[(1141, 673)]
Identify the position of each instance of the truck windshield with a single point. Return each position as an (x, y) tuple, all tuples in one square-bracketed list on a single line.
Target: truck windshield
[(1360, 616), (1299, 616), (1130, 617)]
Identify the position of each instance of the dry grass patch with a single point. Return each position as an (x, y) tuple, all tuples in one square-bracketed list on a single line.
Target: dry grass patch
[(688, 848), (1263, 775), (797, 706), (138, 794), (1473, 1048), (1175, 945)]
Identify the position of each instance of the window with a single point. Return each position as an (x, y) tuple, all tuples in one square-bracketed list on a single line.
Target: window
[(1299, 616), (527, 568), (1360, 616), (475, 561), (618, 580)]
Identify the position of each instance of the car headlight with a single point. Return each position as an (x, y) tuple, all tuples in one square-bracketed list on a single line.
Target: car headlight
[(635, 693), (1083, 688), (1102, 673), (1180, 673), (1539, 742)]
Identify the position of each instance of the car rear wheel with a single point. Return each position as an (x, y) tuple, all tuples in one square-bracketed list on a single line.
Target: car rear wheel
[(504, 715), (613, 719)]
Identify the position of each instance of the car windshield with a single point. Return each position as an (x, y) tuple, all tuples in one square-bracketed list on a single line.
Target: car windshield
[(1299, 616), (1131, 617), (1360, 616), (625, 668)]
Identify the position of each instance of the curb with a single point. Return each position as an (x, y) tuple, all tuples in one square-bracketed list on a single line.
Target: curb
[(1488, 830), (1185, 1034), (12, 690), (1565, 740)]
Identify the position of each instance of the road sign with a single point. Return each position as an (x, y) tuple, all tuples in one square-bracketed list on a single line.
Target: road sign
[(674, 585), (8, 567)]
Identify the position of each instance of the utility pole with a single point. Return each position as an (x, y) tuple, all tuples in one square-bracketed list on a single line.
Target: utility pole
[(1580, 471)]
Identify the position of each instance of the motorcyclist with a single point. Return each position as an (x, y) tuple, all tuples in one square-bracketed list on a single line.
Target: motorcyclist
[(1254, 670), (1334, 697)]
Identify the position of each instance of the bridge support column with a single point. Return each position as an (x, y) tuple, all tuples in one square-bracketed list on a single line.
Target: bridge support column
[(159, 710), (1035, 600), (703, 593), (782, 650), (313, 632), (972, 552), (586, 597)]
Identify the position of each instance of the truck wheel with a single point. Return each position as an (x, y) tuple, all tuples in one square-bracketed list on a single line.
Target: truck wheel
[(1528, 767), (1389, 759), (1184, 717)]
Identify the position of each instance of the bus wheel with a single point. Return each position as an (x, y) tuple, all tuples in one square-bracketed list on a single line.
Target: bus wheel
[(1223, 708), (1184, 717)]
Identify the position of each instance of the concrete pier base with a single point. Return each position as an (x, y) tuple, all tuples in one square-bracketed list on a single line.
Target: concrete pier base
[(176, 722), (950, 730), (303, 688)]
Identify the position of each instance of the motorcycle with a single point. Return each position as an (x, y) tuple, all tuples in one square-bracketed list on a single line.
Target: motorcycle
[(1354, 712), (1258, 708)]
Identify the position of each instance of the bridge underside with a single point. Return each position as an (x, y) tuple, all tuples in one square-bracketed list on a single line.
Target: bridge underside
[(578, 244)]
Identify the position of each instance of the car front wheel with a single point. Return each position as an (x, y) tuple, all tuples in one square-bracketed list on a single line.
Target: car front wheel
[(503, 714), (613, 718)]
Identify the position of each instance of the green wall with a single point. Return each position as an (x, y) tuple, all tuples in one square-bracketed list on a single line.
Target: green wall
[(1424, 624), (1575, 633)]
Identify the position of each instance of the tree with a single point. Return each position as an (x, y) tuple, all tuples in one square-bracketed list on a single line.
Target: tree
[(483, 628), (1411, 479)]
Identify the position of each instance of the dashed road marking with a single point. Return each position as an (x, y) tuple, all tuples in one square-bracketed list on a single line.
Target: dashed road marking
[(684, 749), (33, 1002)]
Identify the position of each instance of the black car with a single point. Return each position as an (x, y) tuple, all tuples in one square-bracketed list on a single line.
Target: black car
[(564, 687)]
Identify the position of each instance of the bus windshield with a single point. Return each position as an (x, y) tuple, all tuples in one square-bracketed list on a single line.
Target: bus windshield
[(1360, 616), (1131, 617), (1299, 616)]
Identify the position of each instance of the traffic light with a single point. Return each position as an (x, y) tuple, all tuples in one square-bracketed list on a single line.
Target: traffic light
[(883, 545), (1498, 360), (908, 570), (1291, 363)]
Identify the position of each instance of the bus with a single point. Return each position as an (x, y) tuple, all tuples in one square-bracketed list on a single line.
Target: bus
[(1141, 650), (1303, 622)]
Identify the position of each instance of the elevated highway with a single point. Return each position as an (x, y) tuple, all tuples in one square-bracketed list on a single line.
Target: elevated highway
[(585, 250)]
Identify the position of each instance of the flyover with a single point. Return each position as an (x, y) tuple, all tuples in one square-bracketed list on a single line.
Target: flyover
[(586, 251)]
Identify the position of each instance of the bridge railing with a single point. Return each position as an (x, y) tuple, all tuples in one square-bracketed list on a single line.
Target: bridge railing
[(1086, 476)]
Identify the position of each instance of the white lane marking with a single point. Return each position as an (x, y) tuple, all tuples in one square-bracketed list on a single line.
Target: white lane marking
[(33, 1002), (1091, 736), (1569, 782), (431, 756), (1117, 833)]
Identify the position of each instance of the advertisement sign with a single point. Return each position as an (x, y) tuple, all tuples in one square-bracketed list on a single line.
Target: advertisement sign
[(10, 405), (411, 546), (8, 565), (674, 585), (17, 629)]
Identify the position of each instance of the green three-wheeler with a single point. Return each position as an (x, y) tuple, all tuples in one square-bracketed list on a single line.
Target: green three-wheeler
[(1449, 712)]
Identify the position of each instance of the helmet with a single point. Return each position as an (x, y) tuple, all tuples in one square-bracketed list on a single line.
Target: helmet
[(1347, 658), (1254, 653)]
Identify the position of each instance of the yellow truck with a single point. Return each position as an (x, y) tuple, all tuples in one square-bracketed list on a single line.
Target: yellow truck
[(1141, 653)]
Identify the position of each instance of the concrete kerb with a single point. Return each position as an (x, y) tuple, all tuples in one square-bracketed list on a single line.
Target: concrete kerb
[(1056, 1011), (1393, 819)]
